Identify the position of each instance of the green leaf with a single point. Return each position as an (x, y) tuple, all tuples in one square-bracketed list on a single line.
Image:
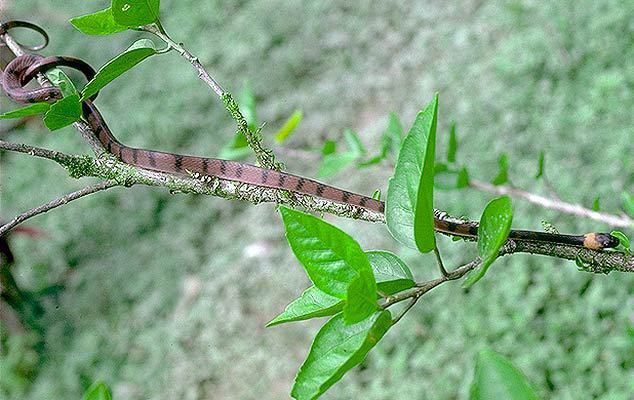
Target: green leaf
[(424, 214), (247, 103), (289, 126), (503, 172), (392, 276), (360, 299), (98, 23), (540, 166), (494, 228), (27, 111), (408, 213), (133, 13), (377, 195), (61, 80), (374, 160), (312, 303), (596, 205), (449, 179), (624, 241), (330, 146), (496, 378), (63, 113), (628, 203), (334, 163), (118, 66), (391, 273), (237, 149), (336, 349), (333, 260), (463, 178), (453, 144), (98, 391), (353, 142), (234, 153), (394, 133)]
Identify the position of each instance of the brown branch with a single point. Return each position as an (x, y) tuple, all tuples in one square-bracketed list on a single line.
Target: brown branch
[(54, 204), (107, 167), (554, 204)]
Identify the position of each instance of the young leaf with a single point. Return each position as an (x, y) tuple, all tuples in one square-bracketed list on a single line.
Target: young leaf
[(540, 166), (628, 203), (27, 111), (391, 273), (377, 195), (449, 179), (408, 213), (98, 391), (118, 65), (247, 103), (289, 126), (453, 144), (334, 163), (360, 299), (374, 160), (133, 13), (596, 205), (330, 146), (237, 149), (495, 225), (312, 303), (336, 349), (332, 259), (624, 241), (496, 378), (63, 113), (98, 23), (463, 178), (503, 172), (353, 142), (424, 214), (61, 80), (394, 133)]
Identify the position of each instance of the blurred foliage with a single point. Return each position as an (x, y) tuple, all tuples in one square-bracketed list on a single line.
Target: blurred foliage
[(167, 296), (18, 362)]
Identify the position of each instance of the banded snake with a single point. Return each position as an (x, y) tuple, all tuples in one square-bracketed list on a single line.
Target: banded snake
[(24, 68)]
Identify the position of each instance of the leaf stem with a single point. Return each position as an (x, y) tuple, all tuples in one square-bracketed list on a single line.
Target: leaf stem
[(443, 271)]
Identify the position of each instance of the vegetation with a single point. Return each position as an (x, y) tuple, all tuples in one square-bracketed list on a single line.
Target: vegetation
[(186, 301)]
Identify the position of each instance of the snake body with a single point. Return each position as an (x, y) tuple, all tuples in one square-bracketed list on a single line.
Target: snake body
[(24, 68)]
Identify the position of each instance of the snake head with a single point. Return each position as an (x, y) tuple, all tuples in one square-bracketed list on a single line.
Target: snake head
[(597, 241)]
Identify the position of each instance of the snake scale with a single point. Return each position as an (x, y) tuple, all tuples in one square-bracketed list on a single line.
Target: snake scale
[(24, 68)]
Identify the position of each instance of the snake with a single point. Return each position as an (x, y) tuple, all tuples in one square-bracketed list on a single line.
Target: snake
[(24, 68)]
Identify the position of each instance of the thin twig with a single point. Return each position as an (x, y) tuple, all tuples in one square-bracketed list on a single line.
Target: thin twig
[(55, 203), (264, 155), (422, 288), (407, 308), (568, 208), (158, 30), (443, 271)]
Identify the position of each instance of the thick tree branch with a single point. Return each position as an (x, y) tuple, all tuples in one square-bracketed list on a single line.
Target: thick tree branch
[(113, 170)]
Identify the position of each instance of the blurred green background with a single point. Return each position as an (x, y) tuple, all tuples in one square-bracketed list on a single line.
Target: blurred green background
[(166, 296)]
